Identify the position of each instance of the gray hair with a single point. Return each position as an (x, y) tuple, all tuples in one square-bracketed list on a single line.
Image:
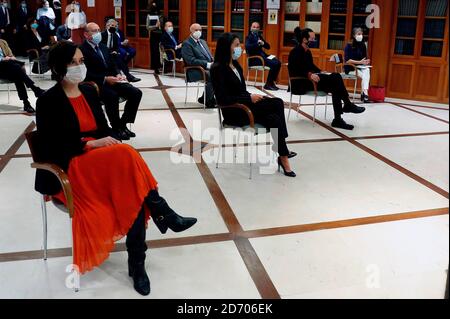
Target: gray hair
[(356, 30), (111, 21)]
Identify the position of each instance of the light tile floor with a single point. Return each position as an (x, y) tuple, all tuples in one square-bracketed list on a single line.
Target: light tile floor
[(338, 182)]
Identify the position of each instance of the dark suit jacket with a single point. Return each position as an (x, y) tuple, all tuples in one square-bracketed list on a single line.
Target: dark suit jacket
[(22, 18), (168, 43), (59, 136), (228, 90), (301, 63), (4, 19), (96, 68), (33, 42), (193, 55), (253, 48), (116, 41)]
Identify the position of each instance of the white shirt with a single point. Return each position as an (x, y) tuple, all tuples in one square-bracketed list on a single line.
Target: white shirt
[(46, 13)]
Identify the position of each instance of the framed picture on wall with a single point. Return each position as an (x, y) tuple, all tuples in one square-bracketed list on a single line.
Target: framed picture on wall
[(273, 4)]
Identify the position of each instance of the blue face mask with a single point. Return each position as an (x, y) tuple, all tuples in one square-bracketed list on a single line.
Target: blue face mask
[(97, 38), (237, 53), (34, 26)]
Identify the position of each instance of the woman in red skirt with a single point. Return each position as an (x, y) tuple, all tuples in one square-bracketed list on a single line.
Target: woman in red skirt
[(114, 191)]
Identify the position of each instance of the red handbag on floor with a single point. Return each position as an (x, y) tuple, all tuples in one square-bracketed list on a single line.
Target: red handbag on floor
[(377, 93)]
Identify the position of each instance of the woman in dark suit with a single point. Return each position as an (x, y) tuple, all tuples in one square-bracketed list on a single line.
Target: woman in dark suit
[(155, 33), (39, 44), (230, 88), (113, 189)]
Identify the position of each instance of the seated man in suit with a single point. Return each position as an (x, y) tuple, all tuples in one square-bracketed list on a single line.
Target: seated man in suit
[(195, 51), (14, 71), (169, 41), (301, 64), (102, 69), (111, 38), (255, 45)]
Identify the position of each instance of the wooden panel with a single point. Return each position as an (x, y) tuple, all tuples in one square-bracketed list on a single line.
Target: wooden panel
[(427, 81), (400, 80), (142, 46)]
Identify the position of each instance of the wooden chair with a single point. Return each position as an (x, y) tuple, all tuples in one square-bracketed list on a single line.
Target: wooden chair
[(165, 58), (254, 127), (34, 141), (204, 80), (263, 68)]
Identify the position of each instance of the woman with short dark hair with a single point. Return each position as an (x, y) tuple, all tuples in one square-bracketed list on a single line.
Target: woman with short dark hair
[(114, 191), (230, 88)]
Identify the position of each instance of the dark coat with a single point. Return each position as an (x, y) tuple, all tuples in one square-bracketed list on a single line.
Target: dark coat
[(229, 90), (59, 136), (301, 64), (253, 48), (194, 55), (97, 68)]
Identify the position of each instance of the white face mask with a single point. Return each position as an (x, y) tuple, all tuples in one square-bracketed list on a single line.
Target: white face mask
[(197, 35), (170, 30), (76, 74), (359, 38)]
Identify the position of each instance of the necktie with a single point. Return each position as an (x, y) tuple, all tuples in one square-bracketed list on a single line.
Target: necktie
[(99, 52), (173, 39), (204, 50), (110, 40)]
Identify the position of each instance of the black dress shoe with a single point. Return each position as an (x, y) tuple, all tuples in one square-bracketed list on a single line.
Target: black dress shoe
[(201, 100), (286, 173), (365, 98), (121, 135), (340, 123), (352, 108), (271, 87), (164, 217), (140, 278), (128, 132), (133, 79), (28, 108)]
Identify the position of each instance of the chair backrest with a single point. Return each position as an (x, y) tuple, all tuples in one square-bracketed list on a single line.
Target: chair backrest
[(162, 53), (33, 141)]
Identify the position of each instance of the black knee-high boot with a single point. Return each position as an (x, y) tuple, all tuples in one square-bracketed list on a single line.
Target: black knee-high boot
[(164, 217), (136, 248)]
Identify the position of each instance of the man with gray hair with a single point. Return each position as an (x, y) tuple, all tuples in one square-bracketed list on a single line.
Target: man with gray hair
[(195, 52)]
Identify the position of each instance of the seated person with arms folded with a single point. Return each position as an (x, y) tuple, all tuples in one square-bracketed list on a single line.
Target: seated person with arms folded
[(195, 52), (114, 191), (255, 45), (230, 88), (102, 69), (356, 53), (301, 64), (169, 41)]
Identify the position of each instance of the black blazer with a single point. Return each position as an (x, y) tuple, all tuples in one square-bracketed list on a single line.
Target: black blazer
[(253, 48), (168, 43), (97, 68), (115, 47), (301, 63), (229, 90), (33, 42), (4, 18), (59, 136)]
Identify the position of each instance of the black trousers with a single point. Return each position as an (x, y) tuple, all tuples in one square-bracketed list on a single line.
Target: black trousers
[(121, 64), (135, 242), (334, 84), (269, 112), (111, 95), (13, 71), (275, 67), (155, 57)]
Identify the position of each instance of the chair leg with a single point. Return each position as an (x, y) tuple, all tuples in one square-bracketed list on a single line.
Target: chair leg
[(326, 106), (237, 143), (76, 274), (220, 148), (9, 94), (174, 66), (290, 107), (299, 103), (185, 96), (248, 74), (354, 91), (198, 90), (250, 156), (263, 76), (256, 77), (315, 105), (163, 67), (44, 224), (204, 97)]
